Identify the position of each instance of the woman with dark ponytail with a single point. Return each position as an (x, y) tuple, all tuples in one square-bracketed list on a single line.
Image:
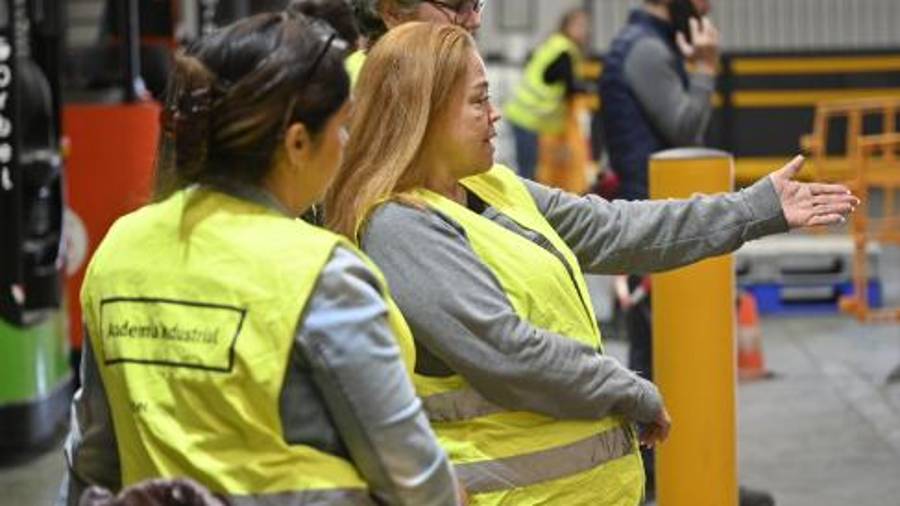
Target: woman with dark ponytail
[(226, 340)]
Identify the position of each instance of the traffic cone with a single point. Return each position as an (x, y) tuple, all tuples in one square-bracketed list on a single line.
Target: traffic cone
[(751, 364)]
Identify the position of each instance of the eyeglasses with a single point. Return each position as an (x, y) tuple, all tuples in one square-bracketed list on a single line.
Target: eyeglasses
[(463, 9)]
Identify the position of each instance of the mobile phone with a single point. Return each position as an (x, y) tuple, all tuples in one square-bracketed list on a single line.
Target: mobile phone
[(681, 11)]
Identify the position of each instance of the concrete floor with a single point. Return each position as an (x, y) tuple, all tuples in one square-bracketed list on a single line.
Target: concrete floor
[(34, 482), (825, 431)]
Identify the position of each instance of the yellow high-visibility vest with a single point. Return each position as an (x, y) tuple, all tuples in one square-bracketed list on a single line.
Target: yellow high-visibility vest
[(536, 105), (353, 64), (506, 457), (192, 306)]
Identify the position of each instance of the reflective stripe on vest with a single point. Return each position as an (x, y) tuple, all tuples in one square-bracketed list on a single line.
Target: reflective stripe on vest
[(192, 306), (512, 457), (458, 405), (305, 498), (539, 467), (537, 105)]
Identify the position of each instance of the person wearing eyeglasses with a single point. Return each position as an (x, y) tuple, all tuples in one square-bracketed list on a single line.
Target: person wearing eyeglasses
[(463, 13), (538, 104), (375, 17), (488, 270), (229, 342)]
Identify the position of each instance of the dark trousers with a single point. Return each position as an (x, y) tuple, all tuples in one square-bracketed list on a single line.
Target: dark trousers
[(640, 357), (526, 151)]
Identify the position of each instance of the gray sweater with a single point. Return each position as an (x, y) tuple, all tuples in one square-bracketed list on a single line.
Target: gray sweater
[(464, 323), (680, 115)]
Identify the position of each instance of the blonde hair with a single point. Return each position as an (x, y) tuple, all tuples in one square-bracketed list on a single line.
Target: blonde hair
[(409, 78)]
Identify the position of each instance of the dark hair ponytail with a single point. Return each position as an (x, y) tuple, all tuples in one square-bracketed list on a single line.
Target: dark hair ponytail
[(232, 94)]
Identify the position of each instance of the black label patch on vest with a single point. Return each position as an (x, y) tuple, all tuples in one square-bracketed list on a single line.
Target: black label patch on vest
[(171, 333)]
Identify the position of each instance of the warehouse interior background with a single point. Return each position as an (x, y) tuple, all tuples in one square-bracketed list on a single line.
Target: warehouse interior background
[(818, 401)]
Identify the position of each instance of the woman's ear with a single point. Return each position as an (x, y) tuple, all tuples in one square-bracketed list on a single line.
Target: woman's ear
[(297, 144)]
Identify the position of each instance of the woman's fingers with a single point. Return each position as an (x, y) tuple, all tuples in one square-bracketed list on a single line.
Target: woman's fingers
[(832, 208), (824, 220), (791, 168), (687, 50), (827, 200), (649, 436), (664, 432), (828, 189)]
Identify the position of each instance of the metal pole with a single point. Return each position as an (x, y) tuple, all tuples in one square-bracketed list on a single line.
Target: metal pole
[(589, 8), (207, 16), (131, 50), (694, 349), (13, 48)]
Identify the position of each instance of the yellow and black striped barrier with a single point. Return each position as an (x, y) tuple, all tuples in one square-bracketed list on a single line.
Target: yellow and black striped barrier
[(765, 103)]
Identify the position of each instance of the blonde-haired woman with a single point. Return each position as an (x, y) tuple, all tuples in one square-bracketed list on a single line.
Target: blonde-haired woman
[(487, 269)]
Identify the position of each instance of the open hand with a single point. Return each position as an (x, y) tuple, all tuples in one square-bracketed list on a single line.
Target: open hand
[(811, 204)]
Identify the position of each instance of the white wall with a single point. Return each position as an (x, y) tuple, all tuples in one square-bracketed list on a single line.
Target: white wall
[(769, 25)]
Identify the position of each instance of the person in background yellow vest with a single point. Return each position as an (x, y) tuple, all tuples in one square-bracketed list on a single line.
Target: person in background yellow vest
[(487, 270), (538, 105), (228, 341)]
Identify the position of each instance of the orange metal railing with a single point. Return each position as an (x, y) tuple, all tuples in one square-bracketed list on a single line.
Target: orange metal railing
[(869, 162), (877, 168)]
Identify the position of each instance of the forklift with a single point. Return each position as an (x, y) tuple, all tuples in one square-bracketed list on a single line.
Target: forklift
[(35, 377)]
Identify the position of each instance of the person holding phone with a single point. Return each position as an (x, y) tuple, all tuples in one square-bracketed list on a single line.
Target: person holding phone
[(651, 101), (658, 79)]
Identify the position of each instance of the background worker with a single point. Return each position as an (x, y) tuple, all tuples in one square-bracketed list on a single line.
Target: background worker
[(650, 101), (340, 15), (229, 342), (539, 103), (656, 90), (376, 17), (487, 269)]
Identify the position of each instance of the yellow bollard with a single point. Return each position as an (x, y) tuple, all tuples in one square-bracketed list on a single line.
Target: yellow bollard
[(694, 349)]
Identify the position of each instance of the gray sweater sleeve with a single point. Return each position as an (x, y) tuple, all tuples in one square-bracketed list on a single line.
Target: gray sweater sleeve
[(656, 235), (680, 115), (346, 341), (459, 313), (90, 450)]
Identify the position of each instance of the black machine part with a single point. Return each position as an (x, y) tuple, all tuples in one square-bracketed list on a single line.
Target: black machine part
[(35, 266)]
